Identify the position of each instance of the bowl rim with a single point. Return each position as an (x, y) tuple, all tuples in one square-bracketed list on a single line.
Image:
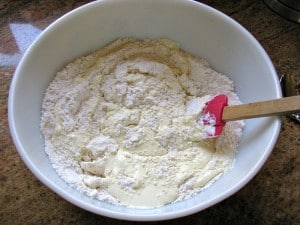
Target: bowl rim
[(120, 215)]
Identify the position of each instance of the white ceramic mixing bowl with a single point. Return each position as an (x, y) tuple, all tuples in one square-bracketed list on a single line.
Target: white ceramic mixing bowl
[(200, 30)]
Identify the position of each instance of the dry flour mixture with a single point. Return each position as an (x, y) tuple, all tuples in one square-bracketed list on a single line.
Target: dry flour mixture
[(120, 124)]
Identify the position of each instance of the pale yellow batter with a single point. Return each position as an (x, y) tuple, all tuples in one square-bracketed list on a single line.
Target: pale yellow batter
[(120, 124)]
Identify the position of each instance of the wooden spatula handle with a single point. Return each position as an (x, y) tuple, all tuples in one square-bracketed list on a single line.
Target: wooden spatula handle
[(260, 109)]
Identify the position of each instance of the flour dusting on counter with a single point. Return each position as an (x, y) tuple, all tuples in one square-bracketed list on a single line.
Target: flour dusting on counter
[(121, 125)]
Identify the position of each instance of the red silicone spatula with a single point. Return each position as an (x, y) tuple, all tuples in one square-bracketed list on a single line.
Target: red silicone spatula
[(217, 111)]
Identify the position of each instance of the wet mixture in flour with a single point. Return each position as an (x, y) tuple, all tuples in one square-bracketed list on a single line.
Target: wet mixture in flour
[(121, 125)]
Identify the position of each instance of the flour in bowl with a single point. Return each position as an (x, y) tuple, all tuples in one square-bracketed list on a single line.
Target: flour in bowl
[(121, 125)]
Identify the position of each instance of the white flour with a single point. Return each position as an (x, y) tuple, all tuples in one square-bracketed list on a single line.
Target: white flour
[(120, 124)]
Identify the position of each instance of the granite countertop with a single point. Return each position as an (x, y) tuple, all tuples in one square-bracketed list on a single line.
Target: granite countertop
[(272, 197)]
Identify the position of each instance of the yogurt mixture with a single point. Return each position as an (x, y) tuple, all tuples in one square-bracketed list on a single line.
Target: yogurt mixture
[(121, 124)]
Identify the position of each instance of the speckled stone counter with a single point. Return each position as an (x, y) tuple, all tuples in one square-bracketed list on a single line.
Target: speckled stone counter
[(272, 197)]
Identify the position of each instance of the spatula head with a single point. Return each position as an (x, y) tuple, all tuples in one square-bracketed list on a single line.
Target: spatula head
[(213, 113)]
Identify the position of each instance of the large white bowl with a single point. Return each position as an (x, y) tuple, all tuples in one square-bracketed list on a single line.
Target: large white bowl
[(200, 30)]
